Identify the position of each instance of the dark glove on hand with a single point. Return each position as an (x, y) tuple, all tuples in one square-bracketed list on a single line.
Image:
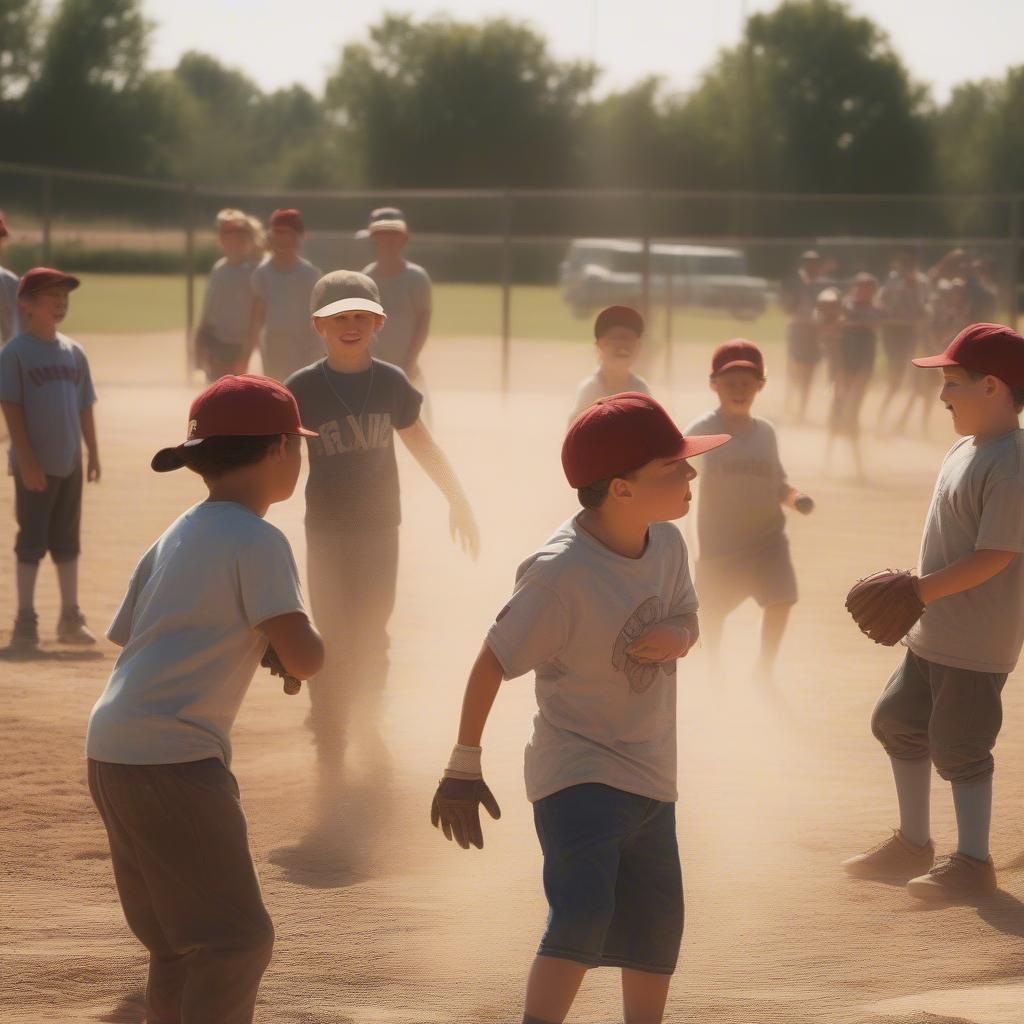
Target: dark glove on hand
[(273, 662), (456, 809)]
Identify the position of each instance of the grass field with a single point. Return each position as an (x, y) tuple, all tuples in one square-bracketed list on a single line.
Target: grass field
[(125, 303)]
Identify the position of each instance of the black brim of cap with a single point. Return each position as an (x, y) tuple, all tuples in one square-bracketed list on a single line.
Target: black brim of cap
[(168, 459)]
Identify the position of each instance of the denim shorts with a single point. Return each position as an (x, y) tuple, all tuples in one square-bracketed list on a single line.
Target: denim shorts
[(612, 878)]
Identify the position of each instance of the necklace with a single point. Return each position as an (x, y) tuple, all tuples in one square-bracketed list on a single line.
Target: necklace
[(334, 391)]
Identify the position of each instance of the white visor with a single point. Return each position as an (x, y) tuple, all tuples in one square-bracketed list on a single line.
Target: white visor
[(383, 225), (345, 305)]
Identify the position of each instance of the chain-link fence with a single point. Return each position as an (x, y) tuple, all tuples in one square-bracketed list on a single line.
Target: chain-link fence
[(526, 265)]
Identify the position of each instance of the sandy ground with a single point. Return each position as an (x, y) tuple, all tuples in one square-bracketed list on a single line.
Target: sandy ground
[(770, 800)]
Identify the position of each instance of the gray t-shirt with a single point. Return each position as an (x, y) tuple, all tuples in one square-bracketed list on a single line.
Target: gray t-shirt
[(188, 625), (9, 323), (227, 305), (978, 505), (602, 716), (52, 383), (595, 386), (405, 296), (353, 475), (289, 341), (740, 488)]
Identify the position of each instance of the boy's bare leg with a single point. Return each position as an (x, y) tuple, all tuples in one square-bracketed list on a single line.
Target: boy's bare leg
[(773, 627), (644, 996), (551, 988)]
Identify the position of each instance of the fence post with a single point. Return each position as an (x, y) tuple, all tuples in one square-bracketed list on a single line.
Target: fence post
[(1015, 261), (46, 254), (506, 291), (190, 275), (646, 217), (669, 310)]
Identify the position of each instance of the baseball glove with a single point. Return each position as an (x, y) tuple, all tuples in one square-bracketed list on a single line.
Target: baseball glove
[(885, 605), (273, 662)]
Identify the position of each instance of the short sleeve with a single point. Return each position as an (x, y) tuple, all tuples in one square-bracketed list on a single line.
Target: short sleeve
[(86, 391), (408, 402), (120, 629), (258, 284), (1002, 525), (531, 630), (268, 579), (10, 376)]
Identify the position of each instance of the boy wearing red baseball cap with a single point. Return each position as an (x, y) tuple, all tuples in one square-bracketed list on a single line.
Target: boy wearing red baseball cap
[(602, 613), (741, 527), (943, 703), (8, 292), (202, 607), (618, 331), (281, 287), (47, 396)]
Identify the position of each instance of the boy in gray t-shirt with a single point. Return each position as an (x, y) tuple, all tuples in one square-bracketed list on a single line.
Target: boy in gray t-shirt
[(281, 287), (47, 397), (602, 613), (740, 523), (8, 293), (943, 704)]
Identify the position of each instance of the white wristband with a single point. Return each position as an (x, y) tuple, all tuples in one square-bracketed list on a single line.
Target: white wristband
[(464, 763)]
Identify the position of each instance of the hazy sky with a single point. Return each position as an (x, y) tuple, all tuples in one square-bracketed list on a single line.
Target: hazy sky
[(278, 42)]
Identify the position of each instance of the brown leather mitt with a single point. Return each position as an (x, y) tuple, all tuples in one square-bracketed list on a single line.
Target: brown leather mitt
[(885, 605), (273, 662)]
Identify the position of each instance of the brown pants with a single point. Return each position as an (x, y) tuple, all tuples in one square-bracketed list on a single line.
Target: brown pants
[(952, 715), (188, 886)]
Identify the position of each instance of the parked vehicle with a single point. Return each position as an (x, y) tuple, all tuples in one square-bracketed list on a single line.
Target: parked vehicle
[(597, 272)]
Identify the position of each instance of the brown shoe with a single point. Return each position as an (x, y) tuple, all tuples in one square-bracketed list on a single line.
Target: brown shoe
[(71, 629), (896, 859), (957, 878)]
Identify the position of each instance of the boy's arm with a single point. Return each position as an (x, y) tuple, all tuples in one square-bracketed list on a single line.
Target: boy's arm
[(88, 421), (435, 464), (970, 571), (667, 640), (456, 804), (31, 473), (296, 642)]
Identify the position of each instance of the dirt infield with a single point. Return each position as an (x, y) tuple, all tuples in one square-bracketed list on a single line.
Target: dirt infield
[(771, 799)]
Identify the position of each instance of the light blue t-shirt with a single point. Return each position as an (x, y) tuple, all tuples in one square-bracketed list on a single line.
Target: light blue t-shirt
[(51, 381), (188, 626)]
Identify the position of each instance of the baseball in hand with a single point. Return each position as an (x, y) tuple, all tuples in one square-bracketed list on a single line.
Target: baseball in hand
[(804, 504)]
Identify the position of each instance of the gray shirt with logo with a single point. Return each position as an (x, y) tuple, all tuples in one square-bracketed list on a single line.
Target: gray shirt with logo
[(740, 488), (405, 296), (602, 716), (51, 381), (353, 474), (978, 505)]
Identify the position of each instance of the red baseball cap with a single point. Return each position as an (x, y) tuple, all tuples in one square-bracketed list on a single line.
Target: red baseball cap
[(737, 354), (984, 348), (38, 278), (289, 218), (620, 434), (242, 405)]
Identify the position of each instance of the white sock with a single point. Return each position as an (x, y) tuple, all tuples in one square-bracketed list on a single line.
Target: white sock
[(973, 804), (913, 790), (26, 576), (67, 580)]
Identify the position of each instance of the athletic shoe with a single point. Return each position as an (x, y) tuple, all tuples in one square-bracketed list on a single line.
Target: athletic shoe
[(25, 634), (71, 629), (957, 878), (896, 859)]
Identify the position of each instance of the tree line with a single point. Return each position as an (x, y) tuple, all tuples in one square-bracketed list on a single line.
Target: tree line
[(814, 98)]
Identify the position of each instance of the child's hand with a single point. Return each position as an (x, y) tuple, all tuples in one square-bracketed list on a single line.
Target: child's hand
[(456, 810), (92, 469), (32, 476), (662, 642), (804, 504), (463, 528)]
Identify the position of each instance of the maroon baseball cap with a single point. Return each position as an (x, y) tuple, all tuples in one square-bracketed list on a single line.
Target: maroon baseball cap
[(620, 434), (290, 218), (618, 316), (243, 405), (984, 348), (38, 278), (737, 354)]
